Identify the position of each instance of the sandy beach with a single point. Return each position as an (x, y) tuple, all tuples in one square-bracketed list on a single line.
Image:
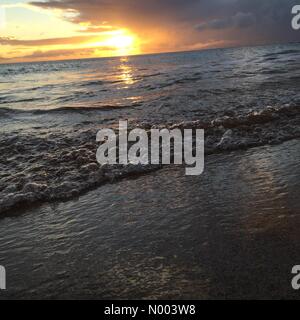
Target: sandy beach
[(231, 233)]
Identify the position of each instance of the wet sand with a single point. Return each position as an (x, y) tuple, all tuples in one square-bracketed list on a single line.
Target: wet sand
[(231, 233)]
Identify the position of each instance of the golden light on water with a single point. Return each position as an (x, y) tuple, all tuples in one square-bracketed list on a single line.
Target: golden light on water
[(126, 75)]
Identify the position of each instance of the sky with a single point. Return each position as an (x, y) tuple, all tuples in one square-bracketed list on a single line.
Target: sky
[(72, 29)]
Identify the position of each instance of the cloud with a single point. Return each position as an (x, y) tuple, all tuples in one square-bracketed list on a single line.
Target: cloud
[(41, 55), (60, 53), (161, 25), (243, 20), (47, 42), (240, 20), (96, 29), (252, 21)]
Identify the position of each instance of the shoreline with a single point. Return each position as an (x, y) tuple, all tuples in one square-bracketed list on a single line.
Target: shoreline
[(231, 233)]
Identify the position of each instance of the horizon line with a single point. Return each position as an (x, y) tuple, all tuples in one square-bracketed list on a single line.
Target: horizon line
[(155, 53)]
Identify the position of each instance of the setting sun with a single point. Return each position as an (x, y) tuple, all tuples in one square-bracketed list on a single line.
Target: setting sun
[(118, 43), (121, 42), (124, 43)]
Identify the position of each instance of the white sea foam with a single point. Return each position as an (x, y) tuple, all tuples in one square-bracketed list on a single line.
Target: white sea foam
[(51, 166)]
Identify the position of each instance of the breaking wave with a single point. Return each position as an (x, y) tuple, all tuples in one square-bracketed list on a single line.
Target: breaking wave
[(49, 166)]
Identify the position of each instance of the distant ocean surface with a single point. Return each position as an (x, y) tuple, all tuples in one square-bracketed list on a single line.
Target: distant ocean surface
[(158, 87), (50, 112)]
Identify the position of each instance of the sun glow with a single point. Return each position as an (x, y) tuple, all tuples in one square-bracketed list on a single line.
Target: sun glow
[(42, 39), (120, 43)]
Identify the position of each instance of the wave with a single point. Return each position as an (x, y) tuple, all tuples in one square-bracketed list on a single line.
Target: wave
[(103, 82), (64, 110), (99, 82), (183, 80), (283, 52), (58, 166), (273, 71), (7, 101), (38, 67)]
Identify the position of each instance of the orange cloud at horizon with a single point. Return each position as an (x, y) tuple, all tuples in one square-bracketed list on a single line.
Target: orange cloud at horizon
[(30, 35), (116, 43), (42, 34)]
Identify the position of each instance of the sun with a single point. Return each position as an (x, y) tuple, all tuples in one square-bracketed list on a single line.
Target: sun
[(121, 42)]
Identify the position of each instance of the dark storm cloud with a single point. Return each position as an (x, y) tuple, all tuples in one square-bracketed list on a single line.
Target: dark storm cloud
[(129, 12), (242, 21)]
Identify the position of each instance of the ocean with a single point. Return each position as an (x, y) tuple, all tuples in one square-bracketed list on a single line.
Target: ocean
[(72, 226)]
